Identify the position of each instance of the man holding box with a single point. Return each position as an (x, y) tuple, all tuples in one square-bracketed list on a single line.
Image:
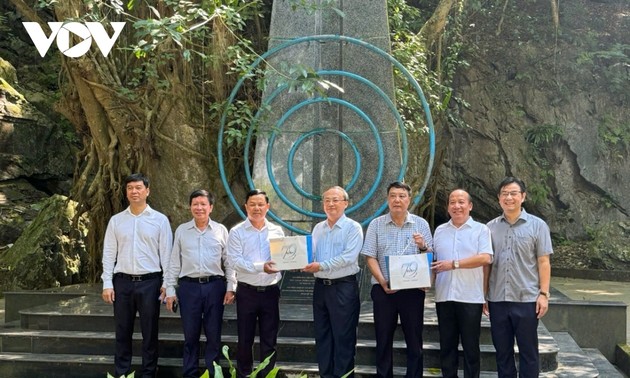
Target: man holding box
[(396, 233), (258, 293)]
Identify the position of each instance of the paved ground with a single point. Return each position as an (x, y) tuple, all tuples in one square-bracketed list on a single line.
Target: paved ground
[(579, 289)]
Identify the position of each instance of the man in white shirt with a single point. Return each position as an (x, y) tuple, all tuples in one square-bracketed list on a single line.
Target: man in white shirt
[(258, 293), (462, 247), (136, 250), (336, 245), (199, 254)]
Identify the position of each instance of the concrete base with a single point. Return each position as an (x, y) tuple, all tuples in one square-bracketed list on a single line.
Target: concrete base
[(599, 325)]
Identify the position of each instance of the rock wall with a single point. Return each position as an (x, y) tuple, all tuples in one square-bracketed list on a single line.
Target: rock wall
[(549, 106), (37, 154)]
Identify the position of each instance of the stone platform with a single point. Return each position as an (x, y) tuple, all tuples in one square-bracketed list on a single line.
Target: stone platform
[(72, 336)]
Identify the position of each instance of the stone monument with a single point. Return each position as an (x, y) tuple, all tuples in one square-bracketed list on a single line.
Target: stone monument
[(328, 117), (345, 136)]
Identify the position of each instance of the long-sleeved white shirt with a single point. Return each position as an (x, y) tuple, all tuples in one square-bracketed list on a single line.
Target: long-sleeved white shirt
[(136, 244), (248, 250), (199, 253)]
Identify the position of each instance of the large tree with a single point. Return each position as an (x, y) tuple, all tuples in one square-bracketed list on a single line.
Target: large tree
[(154, 103)]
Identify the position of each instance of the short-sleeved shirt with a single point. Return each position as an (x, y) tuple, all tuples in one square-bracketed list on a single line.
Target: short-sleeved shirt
[(385, 238), (337, 248), (456, 243), (514, 276)]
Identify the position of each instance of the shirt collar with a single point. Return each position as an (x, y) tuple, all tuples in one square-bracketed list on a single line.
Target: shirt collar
[(468, 223), (191, 225), (523, 216), (249, 225), (147, 210), (390, 220), (339, 222)]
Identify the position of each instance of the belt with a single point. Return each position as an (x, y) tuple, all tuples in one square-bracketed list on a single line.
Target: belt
[(259, 289), (201, 280), (139, 277), (332, 281)]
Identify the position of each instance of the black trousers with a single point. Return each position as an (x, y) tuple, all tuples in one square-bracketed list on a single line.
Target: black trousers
[(253, 308), (201, 303), (136, 297), (336, 317), (409, 304), (458, 320), (509, 320)]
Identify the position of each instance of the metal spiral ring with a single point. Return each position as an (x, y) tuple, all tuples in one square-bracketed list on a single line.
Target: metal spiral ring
[(345, 137)]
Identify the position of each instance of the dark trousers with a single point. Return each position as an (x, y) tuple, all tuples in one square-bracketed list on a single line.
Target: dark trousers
[(201, 303), (336, 317), (409, 305), (262, 308), (509, 320), (459, 320), (132, 297)]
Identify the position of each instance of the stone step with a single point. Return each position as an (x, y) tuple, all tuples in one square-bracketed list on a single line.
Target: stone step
[(603, 366), (290, 349), (90, 313), (23, 365), (84, 325)]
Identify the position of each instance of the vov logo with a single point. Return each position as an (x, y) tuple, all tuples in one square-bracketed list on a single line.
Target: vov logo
[(61, 32)]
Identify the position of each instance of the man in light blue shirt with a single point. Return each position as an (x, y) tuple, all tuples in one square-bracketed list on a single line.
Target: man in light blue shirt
[(462, 248), (336, 245)]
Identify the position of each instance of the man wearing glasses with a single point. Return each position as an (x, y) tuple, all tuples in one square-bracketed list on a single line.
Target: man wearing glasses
[(336, 245), (517, 281), (396, 233)]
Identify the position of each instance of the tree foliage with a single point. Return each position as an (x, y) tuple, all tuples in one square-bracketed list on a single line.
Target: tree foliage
[(154, 103)]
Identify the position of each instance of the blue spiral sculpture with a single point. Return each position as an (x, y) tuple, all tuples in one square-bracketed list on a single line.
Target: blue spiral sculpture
[(346, 138)]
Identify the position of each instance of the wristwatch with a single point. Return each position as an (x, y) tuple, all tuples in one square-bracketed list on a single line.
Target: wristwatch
[(455, 264), (545, 293)]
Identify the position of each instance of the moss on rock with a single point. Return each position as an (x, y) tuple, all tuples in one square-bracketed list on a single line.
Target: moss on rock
[(50, 252)]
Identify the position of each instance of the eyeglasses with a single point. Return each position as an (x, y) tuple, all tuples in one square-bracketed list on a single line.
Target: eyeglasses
[(510, 194), (333, 200)]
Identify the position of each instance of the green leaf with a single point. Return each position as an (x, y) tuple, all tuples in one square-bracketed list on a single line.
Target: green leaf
[(261, 366)]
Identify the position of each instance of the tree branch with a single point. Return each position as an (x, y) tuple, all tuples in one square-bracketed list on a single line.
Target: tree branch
[(433, 28), (28, 12)]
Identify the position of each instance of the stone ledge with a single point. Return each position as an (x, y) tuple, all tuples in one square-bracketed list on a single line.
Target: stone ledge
[(622, 358), (592, 274)]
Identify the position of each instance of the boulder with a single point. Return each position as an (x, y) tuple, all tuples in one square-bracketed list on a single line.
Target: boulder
[(50, 252)]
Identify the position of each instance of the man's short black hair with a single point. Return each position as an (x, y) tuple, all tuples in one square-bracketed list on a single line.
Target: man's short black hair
[(399, 185), (137, 177), (256, 192), (201, 193), (512, 180)]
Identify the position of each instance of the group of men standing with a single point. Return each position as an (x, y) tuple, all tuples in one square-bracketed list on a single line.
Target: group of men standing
[(501, 269)]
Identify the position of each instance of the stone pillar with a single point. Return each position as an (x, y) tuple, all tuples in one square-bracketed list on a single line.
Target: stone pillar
[(325, 158)]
